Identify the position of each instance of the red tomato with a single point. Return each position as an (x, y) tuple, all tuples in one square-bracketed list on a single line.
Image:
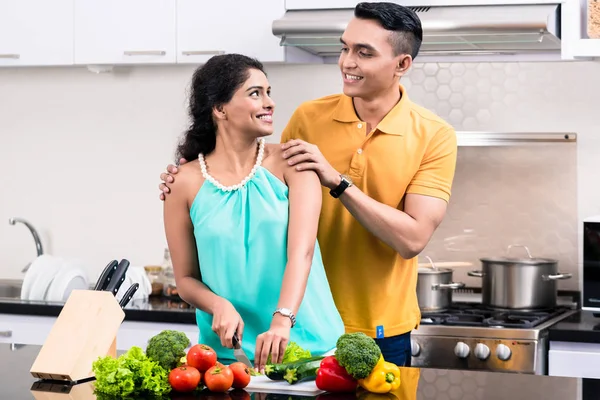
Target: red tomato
[(241, 394), (218, 379), (184, 379), (241, 375), (201, 357)]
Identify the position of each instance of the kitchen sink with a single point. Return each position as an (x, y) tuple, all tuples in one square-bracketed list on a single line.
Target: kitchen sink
[(10, 288)]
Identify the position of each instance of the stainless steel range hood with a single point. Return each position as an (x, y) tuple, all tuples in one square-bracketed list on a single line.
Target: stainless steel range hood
[(452, 30)]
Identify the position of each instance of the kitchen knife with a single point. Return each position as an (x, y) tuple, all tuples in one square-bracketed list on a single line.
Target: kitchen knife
[(118, 277), (128, 294), (239, 353), (106, 275)]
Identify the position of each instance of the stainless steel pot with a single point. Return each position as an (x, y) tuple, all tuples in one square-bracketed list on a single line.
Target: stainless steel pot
[(434, 288), (519, 283)]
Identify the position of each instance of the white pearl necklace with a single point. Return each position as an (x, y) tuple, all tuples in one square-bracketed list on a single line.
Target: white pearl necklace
[(208, 177)]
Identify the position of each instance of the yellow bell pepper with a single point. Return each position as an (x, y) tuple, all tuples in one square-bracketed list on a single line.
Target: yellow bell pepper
[(384, 378)]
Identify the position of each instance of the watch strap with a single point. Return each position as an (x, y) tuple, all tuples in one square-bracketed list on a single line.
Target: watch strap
[(286, 313), (337, 191)]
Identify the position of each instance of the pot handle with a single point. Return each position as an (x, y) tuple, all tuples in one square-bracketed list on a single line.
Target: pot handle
[(451, 286), (519, 245), (476, 274), (558, 276)]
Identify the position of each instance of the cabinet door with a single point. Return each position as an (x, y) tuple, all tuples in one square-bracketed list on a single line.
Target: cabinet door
[(230, 26), (25, 329), (36, 32), (138, 333), (125, 31)]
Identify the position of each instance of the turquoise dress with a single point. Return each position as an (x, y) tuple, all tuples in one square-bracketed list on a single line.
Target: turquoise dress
[(241, 237)]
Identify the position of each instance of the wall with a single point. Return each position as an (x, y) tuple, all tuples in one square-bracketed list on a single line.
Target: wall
[(81, 152)]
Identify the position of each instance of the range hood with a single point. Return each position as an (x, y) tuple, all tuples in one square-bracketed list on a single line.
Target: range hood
[(447, 30)]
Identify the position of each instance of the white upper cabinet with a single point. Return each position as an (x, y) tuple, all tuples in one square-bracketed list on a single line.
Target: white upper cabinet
[(125, 31), (36, 32), (229, 26)]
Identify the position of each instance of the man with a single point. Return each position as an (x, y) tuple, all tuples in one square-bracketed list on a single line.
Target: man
[(398, 163)]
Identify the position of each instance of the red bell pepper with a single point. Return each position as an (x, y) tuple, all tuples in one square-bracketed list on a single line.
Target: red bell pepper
[(332, 377)]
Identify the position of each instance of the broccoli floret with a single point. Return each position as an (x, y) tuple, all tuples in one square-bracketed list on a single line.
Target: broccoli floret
[(167, 348), (357, 353)]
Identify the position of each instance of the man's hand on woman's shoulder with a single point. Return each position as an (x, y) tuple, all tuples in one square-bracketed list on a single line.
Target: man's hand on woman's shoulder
[(168, 177)]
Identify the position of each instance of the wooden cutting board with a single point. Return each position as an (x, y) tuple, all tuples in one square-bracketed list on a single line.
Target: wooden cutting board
[(263, 384)]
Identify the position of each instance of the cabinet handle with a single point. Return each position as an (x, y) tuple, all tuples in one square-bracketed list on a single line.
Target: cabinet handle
[(5, 333), (145, 53), (202, 52), (14, 56)]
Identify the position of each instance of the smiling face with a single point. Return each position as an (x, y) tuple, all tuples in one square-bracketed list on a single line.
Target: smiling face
[(368, 62), (251, 107)]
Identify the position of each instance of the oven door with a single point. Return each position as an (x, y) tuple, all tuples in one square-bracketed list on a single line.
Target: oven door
[(591, 265)]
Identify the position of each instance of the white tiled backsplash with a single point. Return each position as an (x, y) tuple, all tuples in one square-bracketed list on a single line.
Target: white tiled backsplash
[(81, 154)]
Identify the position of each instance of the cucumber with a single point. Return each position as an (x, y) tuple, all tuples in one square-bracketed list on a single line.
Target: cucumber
[(276, 372), (302, 372)]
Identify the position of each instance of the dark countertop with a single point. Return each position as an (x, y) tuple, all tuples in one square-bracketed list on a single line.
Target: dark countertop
[(155, 309), (417, 384), (580, 327)]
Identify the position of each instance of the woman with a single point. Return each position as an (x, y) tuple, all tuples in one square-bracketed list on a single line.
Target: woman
[(241, 224)]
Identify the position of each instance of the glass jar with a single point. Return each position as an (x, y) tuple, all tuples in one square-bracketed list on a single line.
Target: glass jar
[(593, 19), (155, 275), (169, 286)]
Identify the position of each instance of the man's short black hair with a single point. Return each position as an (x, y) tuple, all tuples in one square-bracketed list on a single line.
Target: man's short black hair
[(404, 24)]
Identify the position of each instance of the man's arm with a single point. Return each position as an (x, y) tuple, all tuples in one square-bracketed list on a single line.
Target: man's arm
[(425, 203), (409, 230)]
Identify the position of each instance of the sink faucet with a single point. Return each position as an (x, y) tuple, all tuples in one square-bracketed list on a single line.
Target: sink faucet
[(36, 237)]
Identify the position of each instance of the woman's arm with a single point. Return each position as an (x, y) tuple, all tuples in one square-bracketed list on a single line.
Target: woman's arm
[(305, 206), (182, 246)]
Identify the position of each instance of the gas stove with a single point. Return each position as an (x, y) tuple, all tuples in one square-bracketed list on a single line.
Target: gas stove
[(472, 336)]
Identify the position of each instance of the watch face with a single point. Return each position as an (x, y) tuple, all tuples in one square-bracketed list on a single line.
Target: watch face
[(347, 178)]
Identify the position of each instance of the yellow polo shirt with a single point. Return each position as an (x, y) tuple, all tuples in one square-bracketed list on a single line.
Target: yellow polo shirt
[(411, 151)]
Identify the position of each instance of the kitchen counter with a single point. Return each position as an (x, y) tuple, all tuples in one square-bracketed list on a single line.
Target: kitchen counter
[(581, 327), (155, 309), (417, 384)]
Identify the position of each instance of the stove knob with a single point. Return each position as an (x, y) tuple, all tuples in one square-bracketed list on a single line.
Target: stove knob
[(415, 349), (481, 351), (461, 350), (503, 352)]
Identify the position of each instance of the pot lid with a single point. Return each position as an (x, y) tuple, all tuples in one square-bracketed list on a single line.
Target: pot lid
[(432, 271), (517, 260), (529, 260)]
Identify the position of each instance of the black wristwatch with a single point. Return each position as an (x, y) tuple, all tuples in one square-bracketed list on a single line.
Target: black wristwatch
[(344, 184)]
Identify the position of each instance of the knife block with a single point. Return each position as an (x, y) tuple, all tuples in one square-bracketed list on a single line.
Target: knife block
[(42, 390), (85, 329)]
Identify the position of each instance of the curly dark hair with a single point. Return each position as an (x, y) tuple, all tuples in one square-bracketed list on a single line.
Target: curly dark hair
[(213, 85)]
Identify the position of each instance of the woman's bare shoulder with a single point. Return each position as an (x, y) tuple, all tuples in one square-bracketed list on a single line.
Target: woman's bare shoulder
[(273, 161), (188, 179)]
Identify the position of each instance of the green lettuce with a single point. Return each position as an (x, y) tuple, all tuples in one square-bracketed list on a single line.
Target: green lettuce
[(293, 352), (130, 375)]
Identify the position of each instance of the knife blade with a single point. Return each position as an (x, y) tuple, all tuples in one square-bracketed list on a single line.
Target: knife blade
[(106, 275), (118, 277), (239, 353), (128, 294)]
